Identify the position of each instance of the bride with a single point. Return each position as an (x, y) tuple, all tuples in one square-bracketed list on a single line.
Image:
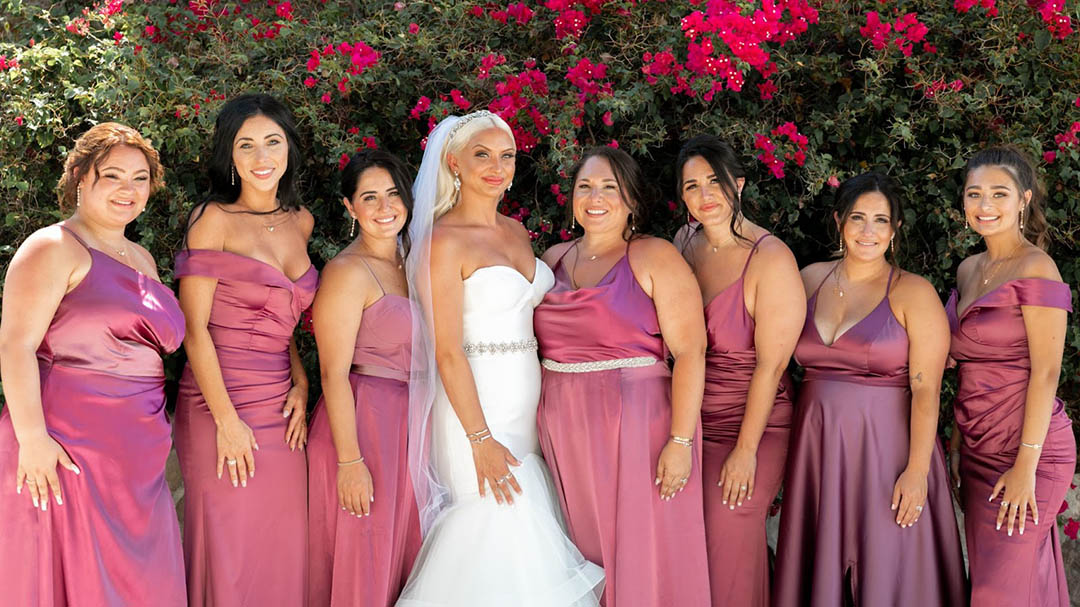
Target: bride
[(493, 531)]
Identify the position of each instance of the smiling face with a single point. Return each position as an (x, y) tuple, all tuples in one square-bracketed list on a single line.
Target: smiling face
[(377, 204), (703, 193), (485, 164), (598, 198), (115, 192), (868, 228), (260, 153), (992, 201)]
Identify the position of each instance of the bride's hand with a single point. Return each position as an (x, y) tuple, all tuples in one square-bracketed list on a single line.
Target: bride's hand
[(493, 463)]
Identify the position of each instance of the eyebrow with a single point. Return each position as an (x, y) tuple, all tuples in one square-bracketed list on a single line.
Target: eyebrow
[(366, 192), (709, 176), (121, 169), (239, 139)]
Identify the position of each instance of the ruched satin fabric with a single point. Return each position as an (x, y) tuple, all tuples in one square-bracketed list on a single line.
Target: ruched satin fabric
[(839, 542), (990, 346), (364, 561), (602, 433), (115, 540), (245, 546), (738, 548)]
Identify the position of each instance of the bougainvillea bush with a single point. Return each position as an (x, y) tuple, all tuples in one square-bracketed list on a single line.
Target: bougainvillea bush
[(809, 91)]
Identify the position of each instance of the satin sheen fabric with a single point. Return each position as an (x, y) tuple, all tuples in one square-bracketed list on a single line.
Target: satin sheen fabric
[(364, 561), (602, 433), (989, 344), (839, 541), (246, 545), (115, 540), (738, 547), (479, 553)]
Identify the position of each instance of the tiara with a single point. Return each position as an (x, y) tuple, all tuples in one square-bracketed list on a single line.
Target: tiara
[(466, 120)]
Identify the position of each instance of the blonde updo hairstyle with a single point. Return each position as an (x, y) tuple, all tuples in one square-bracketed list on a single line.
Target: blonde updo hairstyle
[(90, 151), (471, 124)]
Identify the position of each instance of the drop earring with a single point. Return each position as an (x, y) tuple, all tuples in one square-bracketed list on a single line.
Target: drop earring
[(841, 246), (457, 183), (232, 176), (352, 227), (892, 245), (510, 185), (1021, 220), (573, 222), (78, 195)]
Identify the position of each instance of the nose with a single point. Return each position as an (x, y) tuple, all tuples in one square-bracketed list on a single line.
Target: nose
[(261, 152)]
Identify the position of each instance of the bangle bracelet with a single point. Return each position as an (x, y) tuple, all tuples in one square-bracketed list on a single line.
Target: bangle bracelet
[(478, 437), (352, 461), (1035, 446), (686, 442)]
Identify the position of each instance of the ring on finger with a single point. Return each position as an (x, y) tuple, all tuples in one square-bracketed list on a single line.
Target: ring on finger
[(1004, 504), (504, 478), (742, 487), (231, 462), (918, 508), (684, 479)]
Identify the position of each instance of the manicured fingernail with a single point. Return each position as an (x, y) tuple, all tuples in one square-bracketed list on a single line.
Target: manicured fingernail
[(723, 502), (657, 482), (76, 470), (892, 507), (18, 490), (60, 502), (1010, 532), (731, 507), (243, 483), (738, 503), (234, 483), (1021, 531), (36, 504), (45, 504), (285, 414), (998, 528)]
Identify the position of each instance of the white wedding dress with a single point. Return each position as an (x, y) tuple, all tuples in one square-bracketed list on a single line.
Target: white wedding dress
[(479, 553)]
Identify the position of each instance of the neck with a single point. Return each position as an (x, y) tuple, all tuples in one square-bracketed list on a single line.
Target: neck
[(857, 270), (479, 210), (598, 243), (719, 234), (100, 232), (1000, 246), (380, 248), (260, 202)]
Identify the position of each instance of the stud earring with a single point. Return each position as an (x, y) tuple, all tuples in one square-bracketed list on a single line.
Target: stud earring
[(78, 195)]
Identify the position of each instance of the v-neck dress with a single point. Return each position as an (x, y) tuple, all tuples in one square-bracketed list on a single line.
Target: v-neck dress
[(839, 542), (602, 432), (990, 346), (245, 545), (115, 541)]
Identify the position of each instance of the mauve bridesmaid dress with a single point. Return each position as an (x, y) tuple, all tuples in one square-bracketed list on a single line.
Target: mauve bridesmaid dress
[(989, 344), (738, 548), (839, 542), (364, 561), (245, 546), (115, 541), (602, 432)]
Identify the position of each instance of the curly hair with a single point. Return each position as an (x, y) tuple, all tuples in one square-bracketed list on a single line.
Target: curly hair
[(90, 151)]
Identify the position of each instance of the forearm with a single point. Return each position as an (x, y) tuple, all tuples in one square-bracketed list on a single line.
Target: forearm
[(1038, 408), (205, 367), (687, 388), (923, 428), (340, 403), (296, 366), (760, 398), (22, 391), (457, 380)]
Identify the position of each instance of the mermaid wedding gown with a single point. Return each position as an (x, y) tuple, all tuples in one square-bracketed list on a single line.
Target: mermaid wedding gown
[(480, 553)]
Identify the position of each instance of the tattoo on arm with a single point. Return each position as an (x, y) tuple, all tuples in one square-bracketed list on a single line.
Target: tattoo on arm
[(918, 377)]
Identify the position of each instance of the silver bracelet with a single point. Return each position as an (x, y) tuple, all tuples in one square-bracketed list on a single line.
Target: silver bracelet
[(678, 440), (352, 461), (1035, 446)]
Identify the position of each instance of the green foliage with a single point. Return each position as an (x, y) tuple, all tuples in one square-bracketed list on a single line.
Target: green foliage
[(858, 106)]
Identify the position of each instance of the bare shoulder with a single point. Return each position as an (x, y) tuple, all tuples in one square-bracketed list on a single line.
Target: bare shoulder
[(1036, 263), (914, 292), (814, 273), (966, 267), (774, 253), (50, 244), (657, 251), (447, 241), (516, 228), (554, 252), (307, 221), (346, 274), (207, 226)]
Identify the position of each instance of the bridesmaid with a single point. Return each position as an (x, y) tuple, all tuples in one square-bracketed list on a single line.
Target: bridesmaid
[(359, 433), (617, 427), (752, 329), (867, 516), (1008, 333), (85, 325), (245, 278)]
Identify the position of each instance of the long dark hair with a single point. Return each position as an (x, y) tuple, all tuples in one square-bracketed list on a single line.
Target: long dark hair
[(850, 191), (367, 159), (223, 188), (1018, 165), (638, 195)]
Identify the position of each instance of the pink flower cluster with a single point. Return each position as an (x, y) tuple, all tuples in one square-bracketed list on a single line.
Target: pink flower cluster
[(7, 64), (359, 57), (909, 32), (586, 77), (515, 99), (518, 11), (487, 63), (1053, 15), (963, 6), (1070, 138), (795, 149), (571, 20), (744, 37), (940, 86)]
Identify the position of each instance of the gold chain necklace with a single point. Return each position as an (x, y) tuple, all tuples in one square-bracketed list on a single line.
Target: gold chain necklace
[(997, 264)]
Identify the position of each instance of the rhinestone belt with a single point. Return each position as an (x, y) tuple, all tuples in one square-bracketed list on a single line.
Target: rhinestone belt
[(598, 365), (500, 347)]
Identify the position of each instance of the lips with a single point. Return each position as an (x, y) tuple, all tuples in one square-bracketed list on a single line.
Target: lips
[(123, 202), (496, 181), (596, 212), (262, 173), (387, 220)]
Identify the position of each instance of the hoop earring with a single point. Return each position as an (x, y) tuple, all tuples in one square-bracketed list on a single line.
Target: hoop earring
[(1021, 221), (352, 227), (78, 195)]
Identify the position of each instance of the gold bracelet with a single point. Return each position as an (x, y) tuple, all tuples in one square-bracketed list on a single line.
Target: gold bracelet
[(352, 461), (686, 442), (1035, 446)]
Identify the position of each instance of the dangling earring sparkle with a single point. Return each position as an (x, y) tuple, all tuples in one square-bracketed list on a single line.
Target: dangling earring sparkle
[(841, 245), (573, 222), (457, 183), (633, 225), (78, 195), (1021, 220), (352, 227), (232, 176), (892, 245), (510, 185)]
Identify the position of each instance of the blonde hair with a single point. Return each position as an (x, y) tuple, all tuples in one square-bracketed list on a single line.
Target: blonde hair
[(92, 148), (446, 196)]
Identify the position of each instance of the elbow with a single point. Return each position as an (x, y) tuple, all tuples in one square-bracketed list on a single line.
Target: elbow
[(447, 358), (1046, 375)]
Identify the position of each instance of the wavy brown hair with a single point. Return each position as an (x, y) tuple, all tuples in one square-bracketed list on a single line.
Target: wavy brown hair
[(1021, 169), (90, 151)]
